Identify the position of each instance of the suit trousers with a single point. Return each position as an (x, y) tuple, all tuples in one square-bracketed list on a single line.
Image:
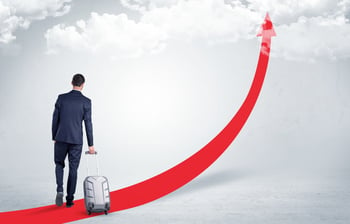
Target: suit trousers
[(74, 153)]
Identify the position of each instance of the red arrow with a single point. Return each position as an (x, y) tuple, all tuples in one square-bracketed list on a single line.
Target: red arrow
[(172, 179)]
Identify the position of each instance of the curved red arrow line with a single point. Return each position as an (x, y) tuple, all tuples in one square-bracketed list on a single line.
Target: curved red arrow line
[(172, 179)]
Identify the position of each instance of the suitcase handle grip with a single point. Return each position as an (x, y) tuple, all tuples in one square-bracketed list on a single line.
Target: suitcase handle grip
[(88, 153)]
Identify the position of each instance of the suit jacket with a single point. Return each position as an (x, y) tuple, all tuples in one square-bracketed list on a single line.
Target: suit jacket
[(71, 109)]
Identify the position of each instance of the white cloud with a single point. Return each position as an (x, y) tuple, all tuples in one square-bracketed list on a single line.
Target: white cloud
[(288, 11), (310, 39), (8, 23), (15, 14), (308, 30), (114, 35), (299, 25), (212, 20), (146, 5)]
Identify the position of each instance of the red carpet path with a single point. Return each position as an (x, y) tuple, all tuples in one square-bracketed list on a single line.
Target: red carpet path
[(170, 180)]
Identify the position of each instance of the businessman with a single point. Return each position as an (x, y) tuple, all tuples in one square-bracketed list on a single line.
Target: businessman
[(71, 109)]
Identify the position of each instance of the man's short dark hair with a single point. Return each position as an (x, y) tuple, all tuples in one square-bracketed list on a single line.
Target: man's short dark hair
[(78, 80)]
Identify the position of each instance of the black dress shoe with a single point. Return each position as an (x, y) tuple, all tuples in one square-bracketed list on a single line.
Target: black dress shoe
[(59, 198), (69, 204)]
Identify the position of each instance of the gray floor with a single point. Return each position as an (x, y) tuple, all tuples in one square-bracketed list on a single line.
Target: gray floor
[(225, 196), (245, 200)]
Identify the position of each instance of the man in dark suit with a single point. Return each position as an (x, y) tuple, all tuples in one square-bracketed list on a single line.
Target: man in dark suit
[(71, 109)]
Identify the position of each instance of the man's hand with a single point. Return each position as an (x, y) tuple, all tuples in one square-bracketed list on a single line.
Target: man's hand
[(91, 149)]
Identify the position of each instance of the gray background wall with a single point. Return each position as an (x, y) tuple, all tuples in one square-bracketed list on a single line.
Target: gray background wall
[(150, 112)]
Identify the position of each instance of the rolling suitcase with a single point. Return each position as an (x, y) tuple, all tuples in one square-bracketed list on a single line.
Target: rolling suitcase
[(96, 191)]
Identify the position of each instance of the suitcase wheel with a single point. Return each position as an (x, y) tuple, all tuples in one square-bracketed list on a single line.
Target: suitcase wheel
[(106, 212), (89, 212), (90, 206)]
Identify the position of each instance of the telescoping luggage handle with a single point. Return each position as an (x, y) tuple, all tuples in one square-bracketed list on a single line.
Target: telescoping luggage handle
[(87, 162)]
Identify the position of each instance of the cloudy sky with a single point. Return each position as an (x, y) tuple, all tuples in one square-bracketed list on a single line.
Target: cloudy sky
[(165, 76), (132, 28)]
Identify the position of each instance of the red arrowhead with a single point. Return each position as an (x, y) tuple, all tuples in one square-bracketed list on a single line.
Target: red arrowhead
[(266, 28)]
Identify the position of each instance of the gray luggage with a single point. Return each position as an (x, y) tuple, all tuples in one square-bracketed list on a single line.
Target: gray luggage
[(96, 192)]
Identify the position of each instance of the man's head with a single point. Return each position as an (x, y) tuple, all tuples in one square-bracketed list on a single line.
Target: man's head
[(78, 81)]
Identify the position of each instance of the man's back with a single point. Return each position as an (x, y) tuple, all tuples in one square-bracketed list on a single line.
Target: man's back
[(70, 110)]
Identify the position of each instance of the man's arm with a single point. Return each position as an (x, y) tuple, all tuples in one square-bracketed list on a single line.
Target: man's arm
[(88, 126), (55, 118)]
